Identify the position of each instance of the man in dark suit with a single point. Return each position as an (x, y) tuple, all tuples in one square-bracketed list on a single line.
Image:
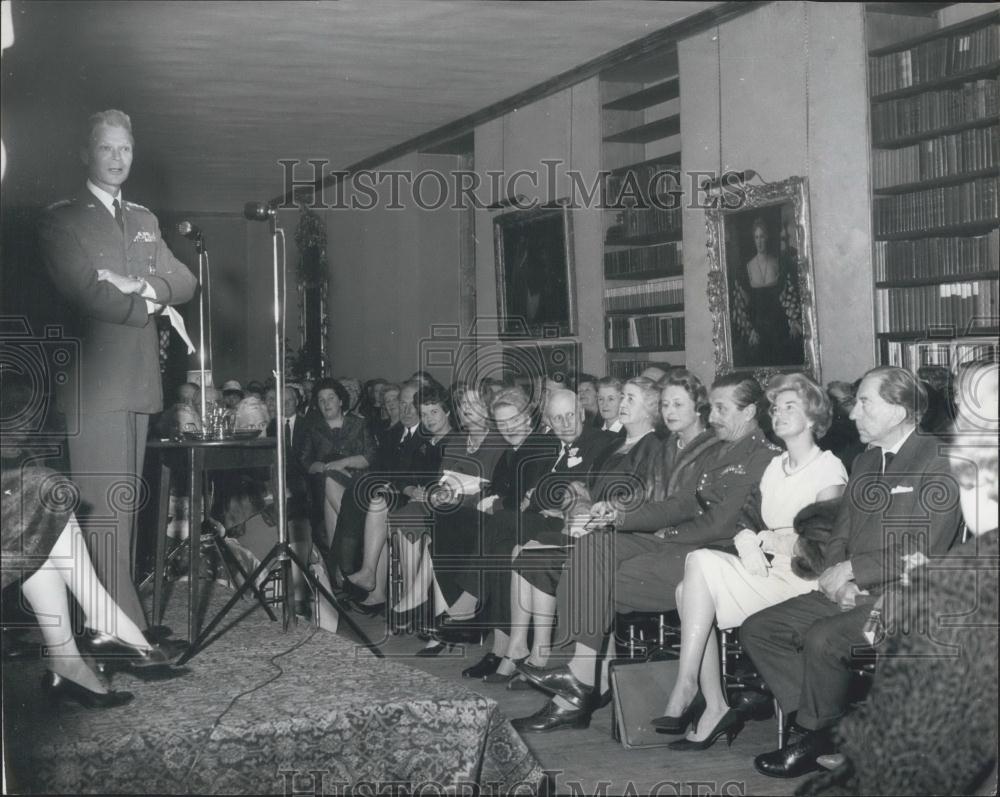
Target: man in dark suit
[(107, 259), (901, 498)]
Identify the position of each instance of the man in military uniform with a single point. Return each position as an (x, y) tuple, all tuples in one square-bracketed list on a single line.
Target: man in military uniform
[(106, 258)]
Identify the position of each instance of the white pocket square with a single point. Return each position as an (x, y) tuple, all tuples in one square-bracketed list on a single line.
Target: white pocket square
[(902, 488)]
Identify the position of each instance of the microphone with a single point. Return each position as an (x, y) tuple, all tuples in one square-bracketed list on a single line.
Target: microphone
[(258, 211), (188, 230)]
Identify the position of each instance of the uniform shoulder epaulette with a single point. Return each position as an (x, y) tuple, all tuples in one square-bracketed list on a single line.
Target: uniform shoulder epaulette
[(62, 203), (136, 206)]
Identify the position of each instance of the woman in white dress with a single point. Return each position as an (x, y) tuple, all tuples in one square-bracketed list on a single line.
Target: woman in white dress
[(720, 588)]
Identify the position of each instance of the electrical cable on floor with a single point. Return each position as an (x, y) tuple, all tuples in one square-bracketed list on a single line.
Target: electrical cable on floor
[(273, 662)]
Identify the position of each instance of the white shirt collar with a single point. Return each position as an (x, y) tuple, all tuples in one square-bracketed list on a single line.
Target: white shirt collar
[(411, 430), (615, 426), (106, 199), (895, 448)]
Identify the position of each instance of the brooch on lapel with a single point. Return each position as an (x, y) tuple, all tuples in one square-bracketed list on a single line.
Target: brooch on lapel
[(143, 236)]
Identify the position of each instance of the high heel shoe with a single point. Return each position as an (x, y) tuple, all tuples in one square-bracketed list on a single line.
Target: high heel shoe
[(679, 724), (495, 677), (729, 726), (356, 591), (57, 687), (434, 650)]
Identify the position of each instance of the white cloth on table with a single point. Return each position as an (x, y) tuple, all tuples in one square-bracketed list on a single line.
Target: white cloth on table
[(738, 594)]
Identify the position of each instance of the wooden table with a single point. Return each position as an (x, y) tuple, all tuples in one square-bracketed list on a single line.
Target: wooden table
[(199, 457)]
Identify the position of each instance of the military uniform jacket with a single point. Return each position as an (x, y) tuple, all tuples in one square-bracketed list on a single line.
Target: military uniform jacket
[(119, 365), (708, 513)]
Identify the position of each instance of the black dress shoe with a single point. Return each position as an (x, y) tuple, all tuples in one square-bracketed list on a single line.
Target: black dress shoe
[(552, 717), (487, 665), (797, 757), (58, 688), (679, 724), (110, 649), (559, 681)]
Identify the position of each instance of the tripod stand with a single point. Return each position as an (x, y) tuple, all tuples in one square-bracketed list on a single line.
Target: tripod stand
[(282, 552)]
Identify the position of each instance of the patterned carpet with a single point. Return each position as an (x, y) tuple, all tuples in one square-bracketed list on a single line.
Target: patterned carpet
[(263, 711)]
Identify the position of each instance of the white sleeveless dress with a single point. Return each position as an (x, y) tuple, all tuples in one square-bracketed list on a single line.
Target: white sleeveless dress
[(737, 593)]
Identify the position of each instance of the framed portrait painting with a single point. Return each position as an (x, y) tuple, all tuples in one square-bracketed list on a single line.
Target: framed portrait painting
[(535, 273), (760, 282)]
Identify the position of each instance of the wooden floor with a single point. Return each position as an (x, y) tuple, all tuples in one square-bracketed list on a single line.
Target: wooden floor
[(583, 760)]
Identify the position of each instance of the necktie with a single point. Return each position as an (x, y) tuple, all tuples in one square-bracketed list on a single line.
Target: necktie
[(887, 459), (406, 436), (119, 218), (288, 433), (562, 455)]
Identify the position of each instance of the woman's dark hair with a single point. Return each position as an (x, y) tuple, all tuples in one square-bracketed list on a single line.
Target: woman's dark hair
[(329, 383), (693, 386), (433, 394), (584, 377)]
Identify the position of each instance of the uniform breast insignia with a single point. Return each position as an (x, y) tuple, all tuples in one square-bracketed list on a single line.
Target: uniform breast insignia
[(739, 470), (144, 236), (136, 206), (62, 203)]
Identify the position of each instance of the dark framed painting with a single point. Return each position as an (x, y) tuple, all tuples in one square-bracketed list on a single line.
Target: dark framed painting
[(535, 273), (761, 284)]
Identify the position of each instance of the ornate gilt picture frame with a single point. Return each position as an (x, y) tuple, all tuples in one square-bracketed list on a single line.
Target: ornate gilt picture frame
[(760, 282)]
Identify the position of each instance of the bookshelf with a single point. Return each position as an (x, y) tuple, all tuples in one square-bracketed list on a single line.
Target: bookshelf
[(643, 264), (935, 158)]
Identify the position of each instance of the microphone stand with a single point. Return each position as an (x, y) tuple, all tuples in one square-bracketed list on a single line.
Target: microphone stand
[(199, 246), (282, 552)]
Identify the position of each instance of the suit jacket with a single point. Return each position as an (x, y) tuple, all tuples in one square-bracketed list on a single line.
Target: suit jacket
[(119, 365), (914, 506), (583, 455), (705, 510), (296, 475)]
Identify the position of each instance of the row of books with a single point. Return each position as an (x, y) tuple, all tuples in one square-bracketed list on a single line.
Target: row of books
[(934, 110), (934, 59), (650, 179), (661, 331), (649, 294), (975, 200), (644, 221), (951, 353), (622, 263), (931, 257), (626, 369), (944, 156), (954, 304)]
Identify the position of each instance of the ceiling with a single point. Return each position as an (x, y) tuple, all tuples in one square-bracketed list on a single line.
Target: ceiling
[(220, 91)]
